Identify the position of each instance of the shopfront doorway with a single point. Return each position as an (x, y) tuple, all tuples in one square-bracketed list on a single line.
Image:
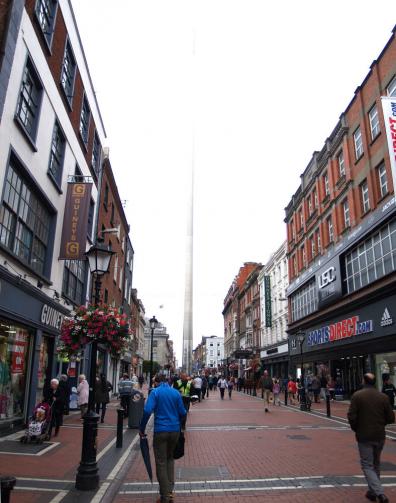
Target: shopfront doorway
[(348, 373)]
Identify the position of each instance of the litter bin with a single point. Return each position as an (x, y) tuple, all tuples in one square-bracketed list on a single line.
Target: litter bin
[(136, 406)]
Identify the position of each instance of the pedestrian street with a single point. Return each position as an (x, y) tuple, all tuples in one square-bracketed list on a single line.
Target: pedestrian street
[(235, 452)]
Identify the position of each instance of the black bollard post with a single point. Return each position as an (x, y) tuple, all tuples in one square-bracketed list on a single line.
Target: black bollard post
[(328, 411), (286, 396), (7, 485), (120, 426)]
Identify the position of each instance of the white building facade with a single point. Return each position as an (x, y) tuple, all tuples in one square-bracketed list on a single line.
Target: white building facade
[(51, 132), (273, 281), (214, 351)]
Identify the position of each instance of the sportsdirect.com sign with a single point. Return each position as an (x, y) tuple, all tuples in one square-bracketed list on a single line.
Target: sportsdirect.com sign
[(340, 330)]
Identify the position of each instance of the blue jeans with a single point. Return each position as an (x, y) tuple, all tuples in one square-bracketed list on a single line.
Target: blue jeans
[(370, 458)]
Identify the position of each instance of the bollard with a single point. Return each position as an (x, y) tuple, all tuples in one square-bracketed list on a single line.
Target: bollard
[(328, 411), (7, 485), (286, 396), (120, 425)]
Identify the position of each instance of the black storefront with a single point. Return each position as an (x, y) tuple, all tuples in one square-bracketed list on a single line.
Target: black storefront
[(355, 341), (30, 322)]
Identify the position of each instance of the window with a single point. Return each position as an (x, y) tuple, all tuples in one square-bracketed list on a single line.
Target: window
[(294, 265), (74, 278), (106, 196), (91, 218), (96, 154), (372, 259), (120, 279), (374, 122), (29, 100), (318, 242), (303, 255), (341, 164), (106, 296), (310, 205), (304, 301), (115, 271), (313, 248), (365, 196), (112, 213), (345, 209), (25, 222), (301, 218), (84, 121), (326, 184), (330, 229), (383, 182), (358, 141), (58, 143), (315, 198), (45, 12), (68, 73), (391, 89)]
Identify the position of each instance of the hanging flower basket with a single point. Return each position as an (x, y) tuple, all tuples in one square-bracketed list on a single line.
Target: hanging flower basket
[(103, 324)]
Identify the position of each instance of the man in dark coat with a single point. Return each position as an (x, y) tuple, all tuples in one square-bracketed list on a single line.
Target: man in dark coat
[(102, 395), (369, 413)]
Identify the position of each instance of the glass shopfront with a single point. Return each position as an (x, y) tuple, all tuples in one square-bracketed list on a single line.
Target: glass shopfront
[(44, 366), (385, 365), (14, 358)]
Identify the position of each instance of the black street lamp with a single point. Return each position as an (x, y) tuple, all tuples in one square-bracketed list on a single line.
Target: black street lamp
[(153, 325), (87, 479), (300, 336)]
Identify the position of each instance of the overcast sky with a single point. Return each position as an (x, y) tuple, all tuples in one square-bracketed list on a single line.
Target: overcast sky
[(262, 90)]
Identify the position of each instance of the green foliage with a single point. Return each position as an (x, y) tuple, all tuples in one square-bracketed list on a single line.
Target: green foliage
[(146, 367)]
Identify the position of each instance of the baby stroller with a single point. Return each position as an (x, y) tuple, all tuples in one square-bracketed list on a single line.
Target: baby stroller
[(39, 424)]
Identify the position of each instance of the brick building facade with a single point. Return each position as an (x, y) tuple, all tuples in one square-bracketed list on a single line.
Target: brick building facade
[(341, 242)]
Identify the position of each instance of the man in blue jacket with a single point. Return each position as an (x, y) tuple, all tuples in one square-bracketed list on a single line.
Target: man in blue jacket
[(167, 405)]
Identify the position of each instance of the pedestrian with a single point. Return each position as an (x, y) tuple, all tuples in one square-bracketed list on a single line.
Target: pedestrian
[(204, 387), (316, 387), (323, 386), (167, 405), (183, 385), (102, 395), (210, 382), (215, 381), (266, 384), (222, 385), (390, 391), (197, 383), (125, 387), (331, 385), (369, 413), (291, 390), (276, 389), (65, 392), (83, 394), (135, 381), (141, 381), (230, 386), (55, 397)]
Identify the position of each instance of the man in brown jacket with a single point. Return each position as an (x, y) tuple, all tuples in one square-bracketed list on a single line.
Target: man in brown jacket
[(368, 414)]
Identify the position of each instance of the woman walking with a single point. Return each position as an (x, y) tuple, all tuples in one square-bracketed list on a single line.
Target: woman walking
[(102, 396), (230, 385), (83, 394), (276, 389), (222, 385)]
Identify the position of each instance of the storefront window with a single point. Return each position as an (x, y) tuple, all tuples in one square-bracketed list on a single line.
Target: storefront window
[(385, 366), (44, 368), (14, 349)]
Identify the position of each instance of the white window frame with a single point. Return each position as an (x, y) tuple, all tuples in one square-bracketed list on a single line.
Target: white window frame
[(391, 89), (358, 142), (326, 183), (341, 164), (365, 196), (347, 218), (330, 229), (374, 121), (382, 174)]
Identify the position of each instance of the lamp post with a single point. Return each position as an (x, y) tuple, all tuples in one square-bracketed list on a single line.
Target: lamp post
[(153, 325), (303, 398), (87, 479)]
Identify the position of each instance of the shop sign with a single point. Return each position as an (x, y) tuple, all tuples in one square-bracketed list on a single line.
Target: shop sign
[(75, 221), (340, 330), (327, 277), (389, 110), (267, 295), (329, 283), (386, 319), (51, 317)]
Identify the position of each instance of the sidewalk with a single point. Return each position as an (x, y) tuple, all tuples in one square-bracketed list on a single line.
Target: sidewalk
[(235, 452), (46, 473)]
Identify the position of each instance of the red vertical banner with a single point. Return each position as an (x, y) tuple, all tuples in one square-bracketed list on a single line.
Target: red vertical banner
[(75, 221)]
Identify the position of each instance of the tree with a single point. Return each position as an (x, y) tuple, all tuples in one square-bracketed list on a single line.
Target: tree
[(146, 367)]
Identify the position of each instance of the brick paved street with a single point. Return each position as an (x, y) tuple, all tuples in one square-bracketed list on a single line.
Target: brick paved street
[(234, 452)]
